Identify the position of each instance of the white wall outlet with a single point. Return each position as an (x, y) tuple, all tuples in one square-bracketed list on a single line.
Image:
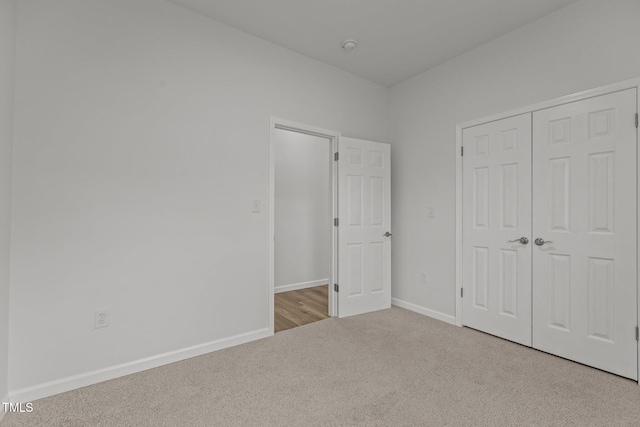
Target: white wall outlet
[(255, 206), (431, 212), (423, 277), (101, 318)]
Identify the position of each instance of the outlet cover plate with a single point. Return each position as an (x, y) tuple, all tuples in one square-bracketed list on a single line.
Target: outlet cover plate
[(101, 318)]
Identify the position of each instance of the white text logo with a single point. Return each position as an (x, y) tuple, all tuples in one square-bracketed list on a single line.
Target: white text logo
[(17, 407)]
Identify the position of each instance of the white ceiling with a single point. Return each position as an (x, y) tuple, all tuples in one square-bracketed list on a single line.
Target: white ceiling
[(397, 38)]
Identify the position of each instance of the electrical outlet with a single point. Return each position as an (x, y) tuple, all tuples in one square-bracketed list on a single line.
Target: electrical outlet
[(431, 212), (255, 206), (101, 318), (423, 277)]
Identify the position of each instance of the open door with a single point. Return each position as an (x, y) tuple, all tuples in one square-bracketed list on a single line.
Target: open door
[(364, 229)]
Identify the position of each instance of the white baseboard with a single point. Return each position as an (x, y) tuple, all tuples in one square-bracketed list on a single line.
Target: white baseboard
[(303, 285), (425, 311), (89, 378)]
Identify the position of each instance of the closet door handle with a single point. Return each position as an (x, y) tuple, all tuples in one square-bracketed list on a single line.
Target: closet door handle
[(522, 240), (541, 242)]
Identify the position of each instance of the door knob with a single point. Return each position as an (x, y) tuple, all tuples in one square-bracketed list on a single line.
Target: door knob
[(541, 242), (387, 234), (522, 240)]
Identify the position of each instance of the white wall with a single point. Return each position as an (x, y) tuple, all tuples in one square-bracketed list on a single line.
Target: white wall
[(142, 134), (302, 210), (7, 65), (585, 45)]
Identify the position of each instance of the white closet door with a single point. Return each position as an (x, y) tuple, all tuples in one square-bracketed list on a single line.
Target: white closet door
[(496, 213), (364, 238), (584, 208)]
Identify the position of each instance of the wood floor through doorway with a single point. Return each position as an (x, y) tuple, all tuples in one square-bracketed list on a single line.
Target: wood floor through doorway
[(297, 308)]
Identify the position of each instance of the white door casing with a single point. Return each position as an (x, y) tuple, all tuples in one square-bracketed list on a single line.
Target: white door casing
[(364, 205), (496, 213), (584, 203)]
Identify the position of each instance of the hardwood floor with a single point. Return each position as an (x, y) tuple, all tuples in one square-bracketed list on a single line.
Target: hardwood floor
[(297, 308)]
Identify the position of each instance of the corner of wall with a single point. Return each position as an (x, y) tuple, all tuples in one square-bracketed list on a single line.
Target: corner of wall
[(8, 24)]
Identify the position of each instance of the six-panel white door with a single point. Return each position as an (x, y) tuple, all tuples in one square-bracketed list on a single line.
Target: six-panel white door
[(496, 214), (584, 208), (364, 204)]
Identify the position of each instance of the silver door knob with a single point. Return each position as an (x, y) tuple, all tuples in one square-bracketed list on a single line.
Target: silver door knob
[(522, 240), (387, 234), (541, 242)]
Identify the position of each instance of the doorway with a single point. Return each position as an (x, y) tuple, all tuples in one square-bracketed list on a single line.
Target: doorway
[(360, 266), (302, 235)]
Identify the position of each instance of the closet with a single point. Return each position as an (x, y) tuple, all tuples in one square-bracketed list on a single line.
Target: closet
[(549, 230)]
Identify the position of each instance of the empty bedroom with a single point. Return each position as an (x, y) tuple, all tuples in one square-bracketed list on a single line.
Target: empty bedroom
[(285, 212)]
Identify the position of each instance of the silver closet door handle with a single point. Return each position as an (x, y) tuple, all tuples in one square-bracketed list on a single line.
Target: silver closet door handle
[(522, 240), (541, 242), (387, 234)]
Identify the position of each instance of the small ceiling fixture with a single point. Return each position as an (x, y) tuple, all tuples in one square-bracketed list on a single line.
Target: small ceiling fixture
[(349, 45)]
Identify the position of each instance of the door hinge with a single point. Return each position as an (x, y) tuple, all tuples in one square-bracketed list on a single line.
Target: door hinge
[(636, 119), (336, 221), (335, 285), (637, 334), (461, 292), (461, 151), (336, 156)]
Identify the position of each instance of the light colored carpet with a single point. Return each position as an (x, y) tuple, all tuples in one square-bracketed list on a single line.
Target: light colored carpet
[(388, 368)]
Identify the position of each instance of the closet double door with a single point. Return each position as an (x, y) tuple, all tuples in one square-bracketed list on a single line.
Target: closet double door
[(549, 230)]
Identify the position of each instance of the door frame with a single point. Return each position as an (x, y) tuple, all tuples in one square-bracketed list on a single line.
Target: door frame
[(579, 96), (333, 137)]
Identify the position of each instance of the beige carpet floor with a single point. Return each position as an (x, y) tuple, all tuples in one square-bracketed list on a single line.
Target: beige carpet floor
[(390, 368)]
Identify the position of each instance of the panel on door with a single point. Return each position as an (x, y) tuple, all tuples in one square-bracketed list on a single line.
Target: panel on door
[(497, 228), (584, 210), (364, 205)]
